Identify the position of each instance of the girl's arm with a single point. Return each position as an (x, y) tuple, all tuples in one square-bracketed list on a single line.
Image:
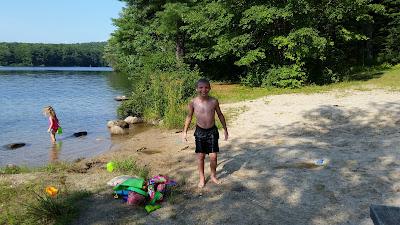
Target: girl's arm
[(50, 124)]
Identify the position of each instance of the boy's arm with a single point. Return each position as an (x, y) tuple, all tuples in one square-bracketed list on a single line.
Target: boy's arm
[(188, 120), (222, 119)]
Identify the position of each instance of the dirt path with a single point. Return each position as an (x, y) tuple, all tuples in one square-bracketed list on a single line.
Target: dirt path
[(267, 165)]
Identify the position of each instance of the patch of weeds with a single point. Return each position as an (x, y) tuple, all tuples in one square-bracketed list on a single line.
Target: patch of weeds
[(11, 198), (56, 167), (60, 209), (129, 165), (14, 169)]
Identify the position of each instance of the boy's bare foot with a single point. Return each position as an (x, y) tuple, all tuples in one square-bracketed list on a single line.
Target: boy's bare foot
[(201, 184), (215, 180)]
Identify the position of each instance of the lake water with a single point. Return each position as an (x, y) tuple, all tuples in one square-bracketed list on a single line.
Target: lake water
[(83, 99)]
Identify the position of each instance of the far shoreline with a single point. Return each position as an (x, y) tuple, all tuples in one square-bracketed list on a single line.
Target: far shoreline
[(56, 68)]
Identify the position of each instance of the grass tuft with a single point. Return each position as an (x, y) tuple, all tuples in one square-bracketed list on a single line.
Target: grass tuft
[(129, 165), (60, 209)]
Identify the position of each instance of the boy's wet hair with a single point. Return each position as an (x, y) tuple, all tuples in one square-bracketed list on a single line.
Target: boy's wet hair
[(203, 81)]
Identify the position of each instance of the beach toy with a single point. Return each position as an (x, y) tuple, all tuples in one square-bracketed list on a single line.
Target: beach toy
[(151, 208), (110, 166), (157, 197), (51, 191), (59, 130)]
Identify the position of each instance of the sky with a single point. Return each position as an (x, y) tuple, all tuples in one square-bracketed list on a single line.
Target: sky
[(57, 21)]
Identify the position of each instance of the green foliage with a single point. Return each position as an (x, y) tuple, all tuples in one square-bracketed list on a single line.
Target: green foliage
[(284, 77), (25, 203), (60, 209), (30, 54), (13, 169), (262, 15), (301, 45), (56, 167), (129, 165), (165, 45)]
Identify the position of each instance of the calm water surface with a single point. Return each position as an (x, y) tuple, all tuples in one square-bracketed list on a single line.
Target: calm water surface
[(83, 99)]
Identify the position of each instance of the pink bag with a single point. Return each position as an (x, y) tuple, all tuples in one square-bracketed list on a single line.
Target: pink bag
[(135, 198)]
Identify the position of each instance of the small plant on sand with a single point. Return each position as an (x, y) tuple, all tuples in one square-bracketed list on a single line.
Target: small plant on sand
[(13, 169), (56, 167), (129, 165), (54, 206)]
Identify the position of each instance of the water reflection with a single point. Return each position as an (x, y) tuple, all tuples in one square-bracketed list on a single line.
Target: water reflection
[(55, 152), (120, 82)]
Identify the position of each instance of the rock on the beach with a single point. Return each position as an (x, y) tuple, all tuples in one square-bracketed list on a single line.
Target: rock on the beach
[(133, 119), (121, 98), (119, 123), (15, 145), (118, 127), (80, 133), (118, 130)]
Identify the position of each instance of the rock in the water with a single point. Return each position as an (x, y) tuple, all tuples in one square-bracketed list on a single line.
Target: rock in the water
[(133, 119), (122, 124), (118, 130), (119, 123), (81, 133), (121, 98), (15, 145), (110, 123)]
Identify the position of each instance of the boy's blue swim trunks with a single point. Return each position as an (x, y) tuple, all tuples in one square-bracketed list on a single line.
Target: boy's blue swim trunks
[(206, 140)]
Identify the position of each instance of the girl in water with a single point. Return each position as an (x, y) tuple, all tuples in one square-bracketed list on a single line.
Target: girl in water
[(53, 122)]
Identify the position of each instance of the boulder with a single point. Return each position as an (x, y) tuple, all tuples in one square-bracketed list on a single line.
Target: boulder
[(122, 124), (80, 133), (15, 145), (119, 123), (121, 98), (133, 119), (118, 130), (111, 123)]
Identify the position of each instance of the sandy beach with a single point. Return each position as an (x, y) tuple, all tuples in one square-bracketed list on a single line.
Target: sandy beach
[(267, 166)]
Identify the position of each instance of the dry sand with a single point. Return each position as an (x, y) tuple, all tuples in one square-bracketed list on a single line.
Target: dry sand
[(267, 167)]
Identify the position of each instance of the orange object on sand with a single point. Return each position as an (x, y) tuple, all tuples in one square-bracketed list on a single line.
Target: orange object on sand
[(52, 191)]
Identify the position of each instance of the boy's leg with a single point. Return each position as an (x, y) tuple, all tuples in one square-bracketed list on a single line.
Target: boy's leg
[(200, 162), (213, 167)]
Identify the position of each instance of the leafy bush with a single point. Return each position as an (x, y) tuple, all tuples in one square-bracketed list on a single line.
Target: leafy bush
[(284, 77), (161, 92), (253, 79)]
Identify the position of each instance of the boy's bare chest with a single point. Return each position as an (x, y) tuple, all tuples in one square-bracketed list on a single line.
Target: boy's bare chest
[(204, 108)]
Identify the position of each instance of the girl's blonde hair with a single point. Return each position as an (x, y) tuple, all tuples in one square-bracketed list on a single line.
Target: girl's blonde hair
[(48, 110)]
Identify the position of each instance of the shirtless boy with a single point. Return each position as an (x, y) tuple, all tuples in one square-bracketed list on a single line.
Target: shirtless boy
[(206, 134)]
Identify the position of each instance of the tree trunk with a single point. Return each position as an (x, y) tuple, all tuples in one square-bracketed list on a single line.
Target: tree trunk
[(180, 44)]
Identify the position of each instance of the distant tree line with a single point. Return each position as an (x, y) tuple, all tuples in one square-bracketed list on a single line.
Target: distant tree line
[(282, 43), (37, 54)]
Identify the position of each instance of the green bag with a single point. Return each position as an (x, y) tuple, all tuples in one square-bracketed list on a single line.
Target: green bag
[(59, 130)]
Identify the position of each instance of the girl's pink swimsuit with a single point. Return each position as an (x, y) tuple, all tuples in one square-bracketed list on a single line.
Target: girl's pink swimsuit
[(55, 125)]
